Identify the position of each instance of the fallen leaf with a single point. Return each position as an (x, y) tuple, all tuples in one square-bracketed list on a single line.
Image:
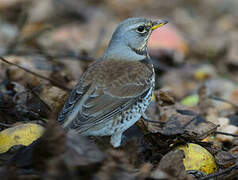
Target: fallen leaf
[(115, 166), (225, 159), (199, 128), (164, 97), (226, 127), (204, 72), (23, 134), (198, 158), (172, 127), (54, 97), (191, 100), (172, 163), (50, 145), (81, 152)]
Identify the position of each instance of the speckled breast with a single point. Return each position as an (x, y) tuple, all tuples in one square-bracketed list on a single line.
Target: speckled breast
[(129, 117)]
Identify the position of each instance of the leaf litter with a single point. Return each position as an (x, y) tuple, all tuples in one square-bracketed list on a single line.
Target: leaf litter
[(47, 45)]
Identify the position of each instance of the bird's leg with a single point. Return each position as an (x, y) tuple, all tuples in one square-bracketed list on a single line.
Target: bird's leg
[(146, 118), (116, 139)]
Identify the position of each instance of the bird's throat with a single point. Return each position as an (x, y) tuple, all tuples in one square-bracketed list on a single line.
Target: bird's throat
[(118, 52), (142, 52)]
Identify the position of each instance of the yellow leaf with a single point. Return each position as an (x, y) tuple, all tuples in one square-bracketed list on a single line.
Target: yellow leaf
[(200, 75), (23, 134), (198, 158)]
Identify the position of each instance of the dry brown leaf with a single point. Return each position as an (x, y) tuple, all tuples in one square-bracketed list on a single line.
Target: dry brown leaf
[(81, 152), (188, 124), (172, 163), (116, 166), (54, 97), (225, 159), (52, 144)]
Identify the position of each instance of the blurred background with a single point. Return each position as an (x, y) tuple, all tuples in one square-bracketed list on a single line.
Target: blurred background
[(195, 58), (199, 32), (60, 38)]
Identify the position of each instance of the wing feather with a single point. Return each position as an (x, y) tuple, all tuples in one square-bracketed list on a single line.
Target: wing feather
[(93, 102)]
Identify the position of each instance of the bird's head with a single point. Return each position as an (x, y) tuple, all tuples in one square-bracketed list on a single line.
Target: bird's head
[(129, 40)]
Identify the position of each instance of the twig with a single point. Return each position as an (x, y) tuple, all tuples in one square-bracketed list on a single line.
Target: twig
[(54, 56), (55, 83), (227, 170), (189, 122), (5, 125), (187, 112), (223, 100), (37, 96), (227, 134)]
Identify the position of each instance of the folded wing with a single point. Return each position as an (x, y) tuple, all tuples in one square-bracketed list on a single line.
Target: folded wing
[(106, 89)]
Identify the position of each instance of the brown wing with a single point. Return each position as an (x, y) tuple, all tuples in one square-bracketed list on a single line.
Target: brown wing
[(105, 90)]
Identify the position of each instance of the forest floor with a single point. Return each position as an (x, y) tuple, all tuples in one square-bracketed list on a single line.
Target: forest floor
[(46, 45)]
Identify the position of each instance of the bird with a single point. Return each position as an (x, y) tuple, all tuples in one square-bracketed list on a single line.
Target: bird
[(114, 92)]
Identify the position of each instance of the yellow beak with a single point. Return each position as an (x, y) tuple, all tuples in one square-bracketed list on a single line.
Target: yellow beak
[(159, 23)]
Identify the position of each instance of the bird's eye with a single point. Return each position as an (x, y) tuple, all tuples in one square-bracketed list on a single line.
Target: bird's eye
[(141, 29)]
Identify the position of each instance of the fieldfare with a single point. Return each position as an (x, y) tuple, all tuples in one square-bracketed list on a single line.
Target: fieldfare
[(116, 89)]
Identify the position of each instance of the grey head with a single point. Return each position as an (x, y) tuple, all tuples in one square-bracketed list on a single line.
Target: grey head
[(129, 40)]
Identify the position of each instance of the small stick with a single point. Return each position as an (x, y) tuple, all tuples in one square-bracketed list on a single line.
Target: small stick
[(6, 125), (54, 56), (223, 100), (227, 134), (227, 170), (55, 83), (37, 96)]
